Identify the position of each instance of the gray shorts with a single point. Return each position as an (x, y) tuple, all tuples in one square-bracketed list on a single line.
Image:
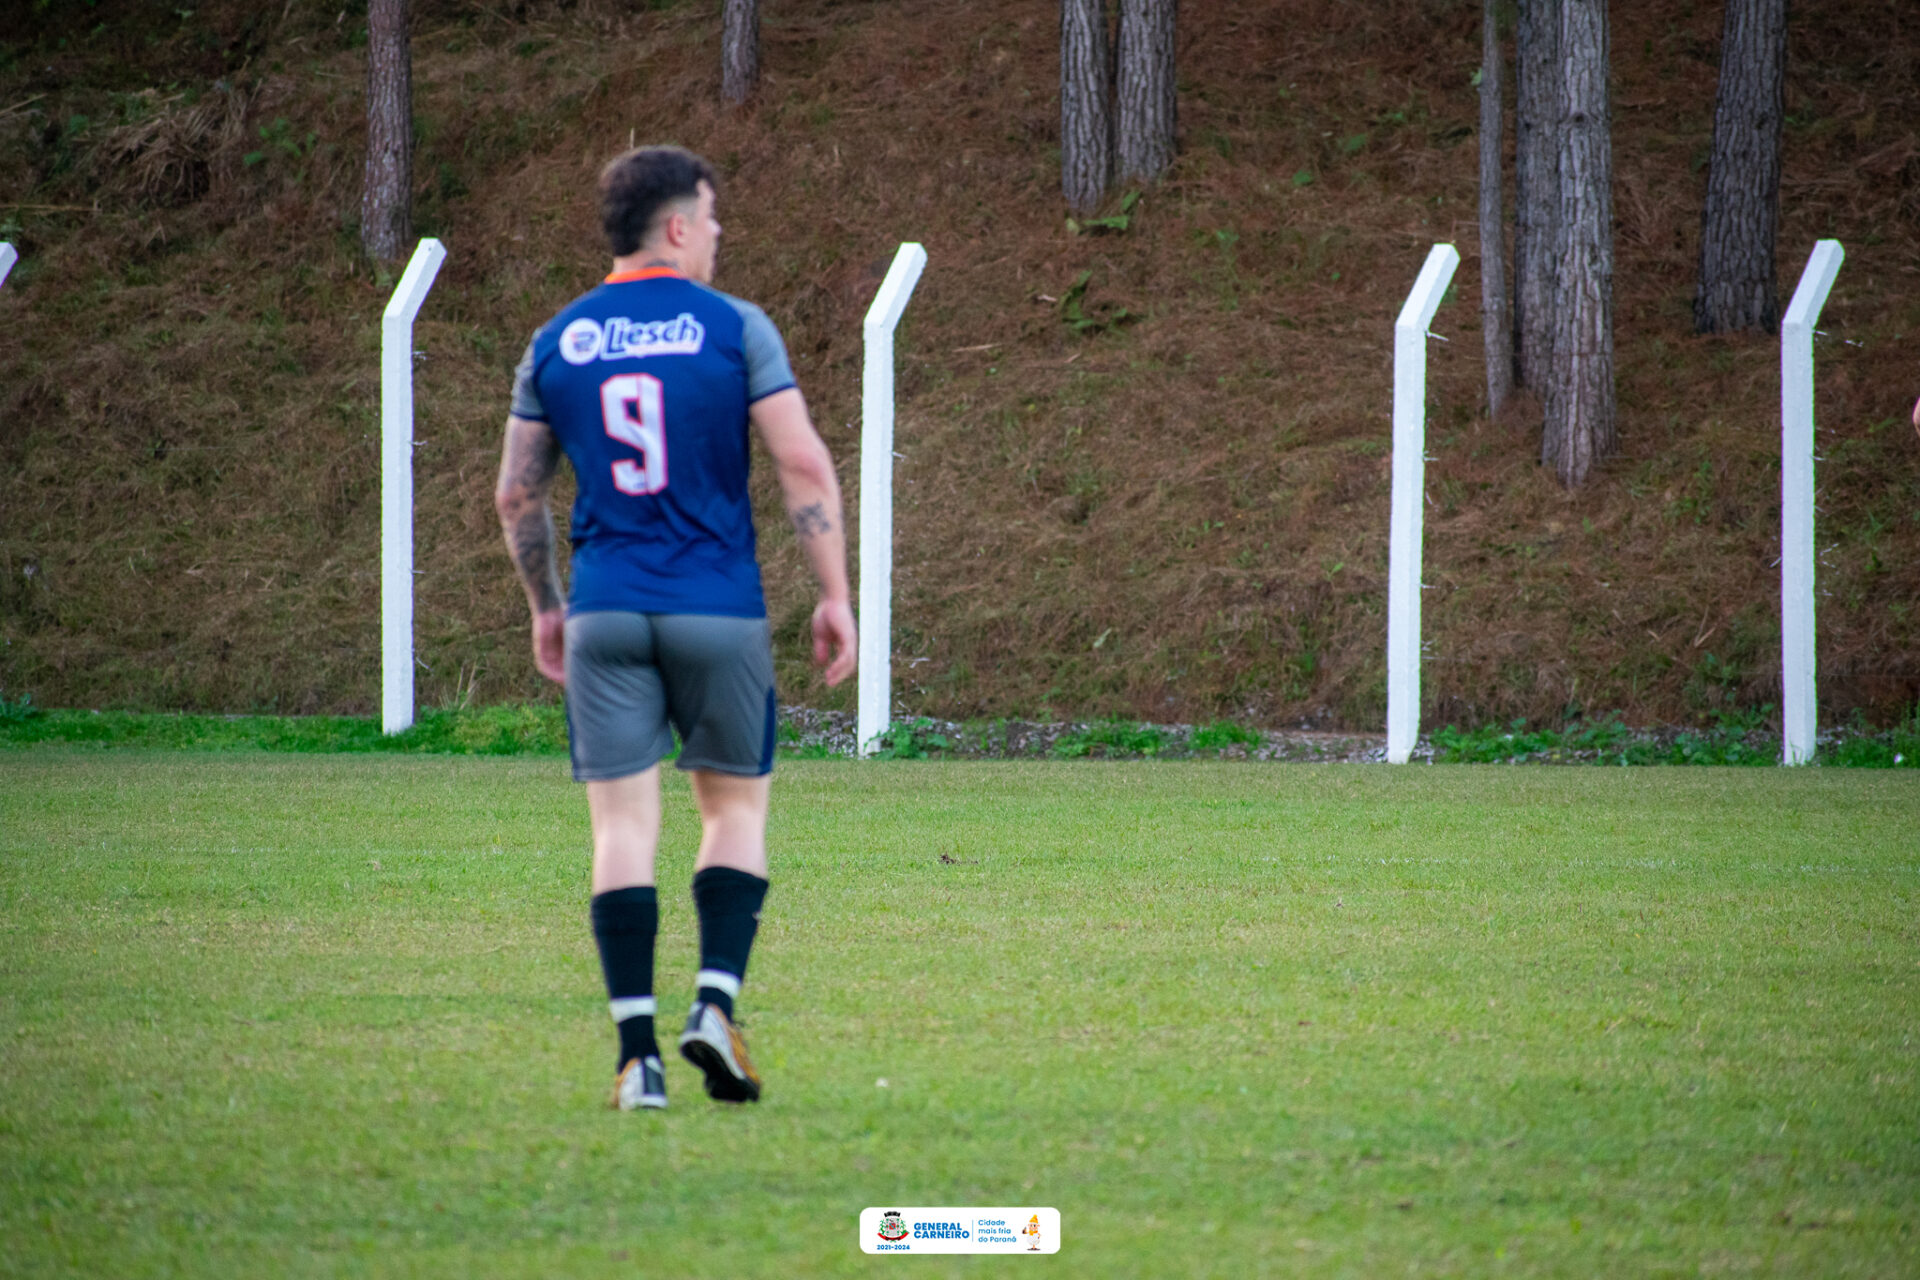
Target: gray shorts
[(630, 675)]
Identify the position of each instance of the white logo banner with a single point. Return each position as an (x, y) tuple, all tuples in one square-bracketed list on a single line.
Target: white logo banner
[(1022, 1230), (619, 338)]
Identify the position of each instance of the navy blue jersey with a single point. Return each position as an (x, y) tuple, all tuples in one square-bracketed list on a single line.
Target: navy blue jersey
[(646, 382)]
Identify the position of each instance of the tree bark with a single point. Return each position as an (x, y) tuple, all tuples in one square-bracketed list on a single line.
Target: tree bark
[(1086, 117), (386, 203), (740, 50), (1145, 90), (1536, 153), (1496, 322), (1739, 224), (1579, 393)]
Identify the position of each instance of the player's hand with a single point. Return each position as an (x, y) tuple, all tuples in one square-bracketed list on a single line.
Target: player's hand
[(836, 642), (550, 644)]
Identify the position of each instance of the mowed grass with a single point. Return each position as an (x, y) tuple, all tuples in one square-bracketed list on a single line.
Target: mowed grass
[(265, 1015)]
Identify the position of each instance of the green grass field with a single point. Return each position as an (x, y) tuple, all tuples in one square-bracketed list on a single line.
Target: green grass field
[(340, 1015)]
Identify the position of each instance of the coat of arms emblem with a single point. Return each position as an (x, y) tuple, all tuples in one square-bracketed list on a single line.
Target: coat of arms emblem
[(892, 1225)]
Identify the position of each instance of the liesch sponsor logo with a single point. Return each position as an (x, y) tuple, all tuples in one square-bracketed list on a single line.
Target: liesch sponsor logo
[(963, 1230), (618, 338)]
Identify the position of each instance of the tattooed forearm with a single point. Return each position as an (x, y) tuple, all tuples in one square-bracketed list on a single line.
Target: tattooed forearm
[(812, 520), (536, 470), (527, 465), (531, 541), (528, 461)]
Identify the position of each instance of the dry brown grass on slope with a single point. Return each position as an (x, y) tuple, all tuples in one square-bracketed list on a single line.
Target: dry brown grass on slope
[(1180, 517)]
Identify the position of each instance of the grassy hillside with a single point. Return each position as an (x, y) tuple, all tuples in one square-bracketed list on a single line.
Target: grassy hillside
[(1177, 513)]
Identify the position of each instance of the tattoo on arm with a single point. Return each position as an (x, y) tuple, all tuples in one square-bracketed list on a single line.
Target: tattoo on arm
[(812, 520), (532, 457), (531, 540), (527, 467)]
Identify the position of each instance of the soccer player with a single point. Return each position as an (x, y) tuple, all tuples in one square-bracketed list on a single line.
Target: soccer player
[(648, 384)]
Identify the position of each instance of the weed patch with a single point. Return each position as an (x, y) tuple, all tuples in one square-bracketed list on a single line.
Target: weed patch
[(1222, 735), (911, 740), (1738, 739), (1116, 738), (490, 731)]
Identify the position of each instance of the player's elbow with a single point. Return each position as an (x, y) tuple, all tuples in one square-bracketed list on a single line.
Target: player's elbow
[(508, 502), (808, 465)]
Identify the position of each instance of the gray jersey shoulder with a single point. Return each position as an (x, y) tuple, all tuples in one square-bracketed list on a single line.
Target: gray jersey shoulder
[(526, 396), (768, 369)]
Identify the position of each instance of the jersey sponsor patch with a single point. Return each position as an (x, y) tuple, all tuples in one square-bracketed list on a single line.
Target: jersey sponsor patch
[(622, 339), (580, 341)]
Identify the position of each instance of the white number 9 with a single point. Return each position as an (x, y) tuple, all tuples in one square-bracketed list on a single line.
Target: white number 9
[(632, 406)]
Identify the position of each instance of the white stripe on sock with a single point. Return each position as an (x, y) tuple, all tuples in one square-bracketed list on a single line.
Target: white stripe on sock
[(719, 980), (630, 1007)]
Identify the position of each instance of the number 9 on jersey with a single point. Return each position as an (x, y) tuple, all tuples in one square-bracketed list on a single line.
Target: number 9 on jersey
[(632, 406)]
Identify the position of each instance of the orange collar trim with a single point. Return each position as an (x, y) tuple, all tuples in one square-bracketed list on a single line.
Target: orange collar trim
[(644, 273)]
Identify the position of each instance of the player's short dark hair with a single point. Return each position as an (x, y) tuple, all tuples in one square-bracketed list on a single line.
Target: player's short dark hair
[(635, 187)]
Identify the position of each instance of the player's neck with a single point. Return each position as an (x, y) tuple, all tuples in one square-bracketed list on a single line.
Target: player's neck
[(649, 259)]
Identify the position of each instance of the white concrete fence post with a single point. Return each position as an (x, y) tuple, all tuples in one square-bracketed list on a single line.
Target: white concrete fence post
[(876, 498), (1800, 712), (1409, 491), (396, 486), (8, 256)]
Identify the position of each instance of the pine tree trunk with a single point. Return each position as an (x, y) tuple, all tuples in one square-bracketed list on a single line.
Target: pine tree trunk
[(1739, 224), (1536, 153), (740, 50), (1146, 88), (1493, 243), (386, 203), (1579, 393), (1086, 118)]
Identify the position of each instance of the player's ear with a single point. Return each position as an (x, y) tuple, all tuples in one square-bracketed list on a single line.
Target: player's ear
[(679, 225)]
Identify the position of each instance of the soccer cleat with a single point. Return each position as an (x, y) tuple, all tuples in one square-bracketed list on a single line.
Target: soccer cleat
[(642, 1083), (712, 1043)]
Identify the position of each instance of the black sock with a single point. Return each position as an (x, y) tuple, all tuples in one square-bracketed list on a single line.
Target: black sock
[(729, 904), (624, 924)]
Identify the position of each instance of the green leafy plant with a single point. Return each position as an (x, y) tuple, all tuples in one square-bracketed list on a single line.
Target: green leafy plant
[(17, 711), (1491, 744), (1736, 740), (528, 729), (1222, 734), (1073, 309), (278, 137), (910, 740), (1116, 222), (1113, 738), (1898, 748)]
